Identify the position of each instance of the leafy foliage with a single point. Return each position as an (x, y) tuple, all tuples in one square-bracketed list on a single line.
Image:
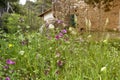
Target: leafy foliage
[(11, 22)]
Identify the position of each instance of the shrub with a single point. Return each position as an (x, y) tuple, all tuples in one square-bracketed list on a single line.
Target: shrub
[(11, 22)]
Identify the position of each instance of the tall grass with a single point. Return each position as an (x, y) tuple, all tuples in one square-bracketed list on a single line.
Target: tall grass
[(38, 57)]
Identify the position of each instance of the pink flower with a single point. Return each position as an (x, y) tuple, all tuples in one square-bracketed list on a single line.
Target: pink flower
[(60, 35), (59, 21), (64, 31), (7, 78), (57, 37), (8, 61)]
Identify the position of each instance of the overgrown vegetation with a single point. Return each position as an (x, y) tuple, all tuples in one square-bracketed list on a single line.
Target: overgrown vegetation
[(57, 53), (59, 56)]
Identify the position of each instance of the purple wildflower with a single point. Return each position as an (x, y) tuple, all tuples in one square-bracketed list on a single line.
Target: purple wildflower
[(24, 42), (60, 35), (6, 67), (60, 63), (59, 21), (7, 78), (57, 37), (64, 31), (10, 61)]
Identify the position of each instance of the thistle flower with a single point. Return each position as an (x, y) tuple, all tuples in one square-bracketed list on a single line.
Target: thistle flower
[(10, 62)]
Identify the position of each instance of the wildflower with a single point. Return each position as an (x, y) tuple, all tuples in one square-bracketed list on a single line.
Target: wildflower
[(10, 45), (57, 55), (103, 69), (8, 61), (24, 42), (21, 52), (60, 63), (6, 67), (64, 31), (59, 21), (60, 35), (7, 78), (57, 37), (51, 26)]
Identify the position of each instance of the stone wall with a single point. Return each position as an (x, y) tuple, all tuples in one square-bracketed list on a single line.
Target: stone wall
[(83, 11)]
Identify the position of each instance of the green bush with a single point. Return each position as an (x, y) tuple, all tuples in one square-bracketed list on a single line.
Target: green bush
[(12, 22)]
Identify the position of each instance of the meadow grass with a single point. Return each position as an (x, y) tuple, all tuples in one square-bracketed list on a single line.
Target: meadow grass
[(41, 57)]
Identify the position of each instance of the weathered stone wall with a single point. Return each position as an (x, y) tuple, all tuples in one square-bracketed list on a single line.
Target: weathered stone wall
[(97, 17)]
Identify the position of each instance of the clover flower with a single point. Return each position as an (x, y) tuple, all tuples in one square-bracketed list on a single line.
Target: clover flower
[(8, 61)]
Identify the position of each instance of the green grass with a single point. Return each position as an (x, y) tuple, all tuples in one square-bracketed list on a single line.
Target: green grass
[(51, 59)]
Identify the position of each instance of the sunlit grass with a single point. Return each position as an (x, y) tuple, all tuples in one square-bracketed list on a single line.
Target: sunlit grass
[(38, 57)]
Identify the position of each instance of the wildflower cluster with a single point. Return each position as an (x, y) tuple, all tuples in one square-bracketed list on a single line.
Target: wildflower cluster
[(7, 70), (61, 34)]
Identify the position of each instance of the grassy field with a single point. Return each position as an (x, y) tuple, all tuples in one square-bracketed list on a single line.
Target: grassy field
[(60, 56)]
